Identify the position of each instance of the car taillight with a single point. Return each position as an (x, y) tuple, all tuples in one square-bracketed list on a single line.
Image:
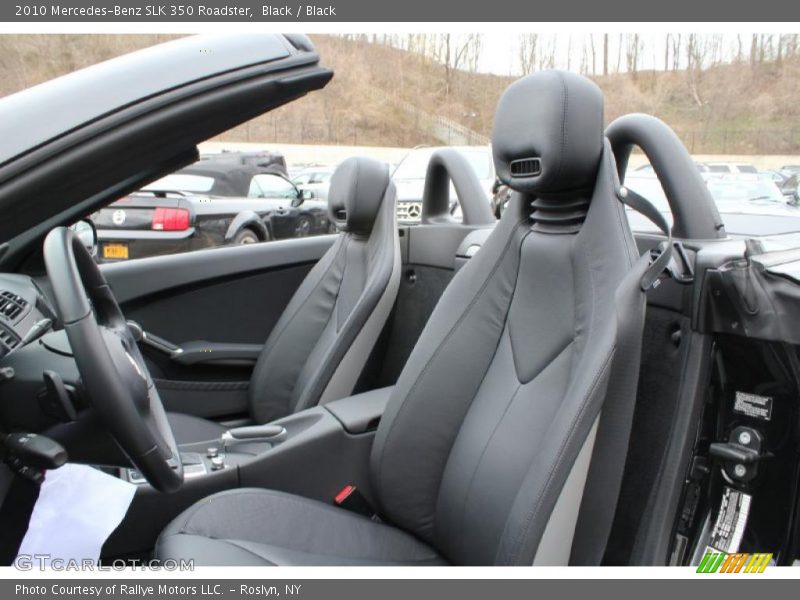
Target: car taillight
[(170, 219)]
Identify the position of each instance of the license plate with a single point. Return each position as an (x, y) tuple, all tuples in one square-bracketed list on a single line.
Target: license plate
[(115, 251)]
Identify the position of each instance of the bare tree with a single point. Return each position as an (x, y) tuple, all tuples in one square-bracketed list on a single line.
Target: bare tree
[(666, 52), (696, 50), (453, 51), (473, 53), (584, 68), (676, 51), (547, 52), (632, 50), (527, 52), (605, 54), (569, 51)]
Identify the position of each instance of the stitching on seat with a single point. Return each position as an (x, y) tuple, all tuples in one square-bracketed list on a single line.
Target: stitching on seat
[(483, 453), (590, 326), (564, 106), (310, 295), (289, 498), (206, 502), (366, 303), (294, 315), (559, 459), (619, 211), (445, 339), (248, 550)]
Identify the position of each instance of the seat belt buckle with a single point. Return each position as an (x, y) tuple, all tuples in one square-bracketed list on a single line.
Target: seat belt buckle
[(350, 498)]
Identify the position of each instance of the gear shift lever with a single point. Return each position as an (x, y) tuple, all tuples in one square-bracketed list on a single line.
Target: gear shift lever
[(269, 434)]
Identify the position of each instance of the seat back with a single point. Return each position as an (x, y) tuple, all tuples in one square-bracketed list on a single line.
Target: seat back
[(319, 346), (485, 445)]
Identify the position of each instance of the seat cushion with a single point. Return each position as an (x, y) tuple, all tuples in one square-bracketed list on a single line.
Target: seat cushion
[(251, 526), (189, 429)]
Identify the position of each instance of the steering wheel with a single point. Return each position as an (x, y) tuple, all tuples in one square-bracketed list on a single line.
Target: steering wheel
[(112, 369)]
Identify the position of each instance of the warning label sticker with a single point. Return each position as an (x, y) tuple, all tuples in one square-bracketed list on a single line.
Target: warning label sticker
[(754, 406), (731, 521)]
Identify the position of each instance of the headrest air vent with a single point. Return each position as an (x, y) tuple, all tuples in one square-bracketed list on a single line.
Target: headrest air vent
[(11, 305), (558, 216), (525, 167)]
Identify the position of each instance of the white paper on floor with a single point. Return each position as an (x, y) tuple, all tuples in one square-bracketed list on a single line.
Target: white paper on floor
[(78, 508)]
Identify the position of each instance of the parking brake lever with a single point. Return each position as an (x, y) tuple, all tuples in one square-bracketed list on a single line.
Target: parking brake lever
[(269, 434)]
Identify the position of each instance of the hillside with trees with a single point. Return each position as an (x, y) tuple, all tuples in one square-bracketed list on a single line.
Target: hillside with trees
[(723, 95)]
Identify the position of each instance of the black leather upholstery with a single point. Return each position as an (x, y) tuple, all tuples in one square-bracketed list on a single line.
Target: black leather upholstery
[(356, 192), (264, 527), (331, 308), (480, 441), (568, 143)]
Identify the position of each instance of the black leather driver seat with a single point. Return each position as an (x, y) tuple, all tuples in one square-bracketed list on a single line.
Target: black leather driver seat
[(483, 452), (320, 344)]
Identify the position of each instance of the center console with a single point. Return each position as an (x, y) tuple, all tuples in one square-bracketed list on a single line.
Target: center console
[(312, 453)]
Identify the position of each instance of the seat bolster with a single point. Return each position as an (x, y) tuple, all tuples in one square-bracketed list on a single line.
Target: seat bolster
[(263, 527)]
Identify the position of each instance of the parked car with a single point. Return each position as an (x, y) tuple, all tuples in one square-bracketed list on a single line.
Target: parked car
[(263, 159), (648, 168), (409, 177), (793, 169), (217, 201), (314, 179), (787, 182), (749, 206), (721, 168)]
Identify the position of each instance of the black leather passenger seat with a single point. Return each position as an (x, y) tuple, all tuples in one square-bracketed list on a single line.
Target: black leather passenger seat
[(485, 449)]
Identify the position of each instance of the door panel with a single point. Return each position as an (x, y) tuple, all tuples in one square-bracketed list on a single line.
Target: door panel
[(223, 295)]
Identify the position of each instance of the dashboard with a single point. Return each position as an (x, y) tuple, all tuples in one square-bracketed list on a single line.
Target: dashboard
[(25, 313), (33, 347)]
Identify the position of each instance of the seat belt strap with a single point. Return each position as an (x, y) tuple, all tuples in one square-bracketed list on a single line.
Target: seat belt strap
[(644, 207), (604, 480)]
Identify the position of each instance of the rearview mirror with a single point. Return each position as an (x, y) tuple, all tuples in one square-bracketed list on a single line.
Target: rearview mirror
[(87, 234)]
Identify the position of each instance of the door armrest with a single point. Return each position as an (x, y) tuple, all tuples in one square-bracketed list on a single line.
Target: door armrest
[(200, 352)]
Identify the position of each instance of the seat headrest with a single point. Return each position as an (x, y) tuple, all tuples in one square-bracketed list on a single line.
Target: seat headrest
[(356, 191), (548, 133)]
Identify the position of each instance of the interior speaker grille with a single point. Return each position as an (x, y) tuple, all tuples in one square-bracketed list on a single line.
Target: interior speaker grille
[(525, 167)]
